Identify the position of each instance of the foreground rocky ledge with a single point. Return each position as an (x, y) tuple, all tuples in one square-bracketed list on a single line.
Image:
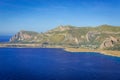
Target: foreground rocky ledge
[(105, 52)]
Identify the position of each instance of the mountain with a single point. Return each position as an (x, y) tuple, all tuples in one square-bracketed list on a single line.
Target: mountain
[(102, 37)]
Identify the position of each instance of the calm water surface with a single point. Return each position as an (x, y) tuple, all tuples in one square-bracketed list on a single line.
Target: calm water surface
[(4, 38), (56, 64)]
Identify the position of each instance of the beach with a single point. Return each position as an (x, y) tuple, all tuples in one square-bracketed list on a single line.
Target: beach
[(105, 52)]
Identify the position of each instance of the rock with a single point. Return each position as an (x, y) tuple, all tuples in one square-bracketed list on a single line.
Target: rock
[(109, 42), (61, 28), (22, 35), (72, 39), (91, 34)]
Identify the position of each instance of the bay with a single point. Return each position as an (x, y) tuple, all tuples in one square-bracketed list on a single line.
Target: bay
[(56, 64)]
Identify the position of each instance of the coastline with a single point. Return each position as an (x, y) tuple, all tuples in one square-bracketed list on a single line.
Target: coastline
[(105, 52)]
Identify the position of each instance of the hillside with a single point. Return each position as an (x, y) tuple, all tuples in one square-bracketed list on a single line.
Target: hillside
[(102, 37)]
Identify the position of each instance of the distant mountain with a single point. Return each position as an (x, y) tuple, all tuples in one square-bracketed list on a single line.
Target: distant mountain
[(103, 37)]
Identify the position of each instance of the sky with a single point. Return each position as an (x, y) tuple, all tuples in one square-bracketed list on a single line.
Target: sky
[(43, 15)]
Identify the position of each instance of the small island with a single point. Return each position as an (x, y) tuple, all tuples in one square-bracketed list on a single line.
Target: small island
[(104, 39)]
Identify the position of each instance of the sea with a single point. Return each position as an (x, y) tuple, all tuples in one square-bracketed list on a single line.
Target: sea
[(56, 64), (4, 38)]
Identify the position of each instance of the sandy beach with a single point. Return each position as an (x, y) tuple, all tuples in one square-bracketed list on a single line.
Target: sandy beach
[(105, 52)]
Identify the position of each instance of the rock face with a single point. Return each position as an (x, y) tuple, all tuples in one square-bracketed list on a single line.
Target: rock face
[(61, 28), (91, 34), (72, 39), (109, 42), (20, 36)]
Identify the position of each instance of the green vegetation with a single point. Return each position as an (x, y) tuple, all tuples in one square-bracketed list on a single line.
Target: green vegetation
[(32, 33), (114, 48), (71, 36), (109, 28)]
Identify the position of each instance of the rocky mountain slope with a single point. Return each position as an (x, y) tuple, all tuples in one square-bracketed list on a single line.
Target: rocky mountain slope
[(103, 37)]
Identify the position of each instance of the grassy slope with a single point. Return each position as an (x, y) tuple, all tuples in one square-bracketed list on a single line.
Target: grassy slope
[(56, 36)]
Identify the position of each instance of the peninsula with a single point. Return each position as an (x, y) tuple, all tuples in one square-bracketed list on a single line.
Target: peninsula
[(104, 39)]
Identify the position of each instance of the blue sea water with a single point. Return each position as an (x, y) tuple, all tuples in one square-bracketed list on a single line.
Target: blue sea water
[(56, 64), (4, 38)]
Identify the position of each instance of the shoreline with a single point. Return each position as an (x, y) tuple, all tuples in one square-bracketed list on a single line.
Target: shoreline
[(104, 52)]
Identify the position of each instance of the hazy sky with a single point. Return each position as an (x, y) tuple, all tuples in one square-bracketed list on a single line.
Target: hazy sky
[(42, 15)]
